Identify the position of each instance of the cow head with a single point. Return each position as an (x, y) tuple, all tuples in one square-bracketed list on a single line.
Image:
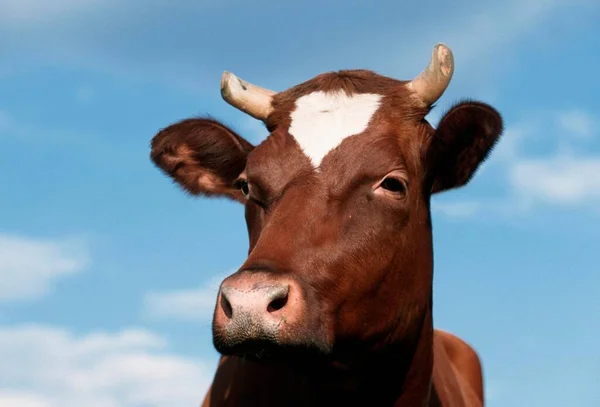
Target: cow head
[(336, 201)]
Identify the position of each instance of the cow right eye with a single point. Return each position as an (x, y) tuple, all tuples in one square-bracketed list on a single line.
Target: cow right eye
[(243, 185), (393, 185)]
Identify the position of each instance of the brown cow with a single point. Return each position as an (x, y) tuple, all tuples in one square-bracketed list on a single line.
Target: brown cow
[(333, 305)]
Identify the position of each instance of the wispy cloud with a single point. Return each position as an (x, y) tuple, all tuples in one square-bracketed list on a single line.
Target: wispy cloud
[(194, 304), (50, 367), (84, 93), (98, 35), (21, 399), (564, 177), (577, 123), (457, 209), (493, 389), (111, 36), (34, 12), (5, 121), (562, 180), (29, 267)]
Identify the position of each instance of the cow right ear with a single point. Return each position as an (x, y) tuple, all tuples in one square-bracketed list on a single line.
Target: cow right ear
[(203, 156)]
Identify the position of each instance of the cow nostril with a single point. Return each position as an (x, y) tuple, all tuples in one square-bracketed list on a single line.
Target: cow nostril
[(226, 306), (277, 304), (278, 301)]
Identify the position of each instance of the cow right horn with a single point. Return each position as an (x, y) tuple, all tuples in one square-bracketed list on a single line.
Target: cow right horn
[(248, 98), (434, 80)]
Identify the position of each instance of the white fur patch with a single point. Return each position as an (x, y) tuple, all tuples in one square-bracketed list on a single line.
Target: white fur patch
[(321, 121)]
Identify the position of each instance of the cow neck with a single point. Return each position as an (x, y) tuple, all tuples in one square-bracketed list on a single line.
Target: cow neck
[(399, 376)]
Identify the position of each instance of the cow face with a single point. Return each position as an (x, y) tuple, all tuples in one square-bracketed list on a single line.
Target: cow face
[(337, 205)]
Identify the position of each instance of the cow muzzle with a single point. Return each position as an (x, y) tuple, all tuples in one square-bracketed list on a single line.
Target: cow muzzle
[(257, 314)]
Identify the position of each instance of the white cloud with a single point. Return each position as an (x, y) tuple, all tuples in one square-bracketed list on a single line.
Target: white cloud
[(565, 180), (45, 366), (195, 304), (456, 209), (577, 123), (29, 267), (20, 399)]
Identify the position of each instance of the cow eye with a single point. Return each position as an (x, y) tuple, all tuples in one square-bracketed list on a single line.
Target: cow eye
[(393, 185), (252, 196), (243, 185)]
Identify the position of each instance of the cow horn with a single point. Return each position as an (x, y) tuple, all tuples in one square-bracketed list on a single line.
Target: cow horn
[(433, 81), (249, 98)]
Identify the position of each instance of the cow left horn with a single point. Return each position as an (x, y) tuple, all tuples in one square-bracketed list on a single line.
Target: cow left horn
[(249, 98), (434, 80)]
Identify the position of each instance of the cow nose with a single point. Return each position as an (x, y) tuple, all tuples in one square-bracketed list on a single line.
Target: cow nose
[(255, 311), (257, 300)]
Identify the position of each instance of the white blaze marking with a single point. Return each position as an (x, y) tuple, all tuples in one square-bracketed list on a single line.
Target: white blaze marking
[(321, 121)]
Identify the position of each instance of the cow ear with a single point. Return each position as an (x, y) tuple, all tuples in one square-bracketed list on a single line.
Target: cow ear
[(463, 140), (202, 155)]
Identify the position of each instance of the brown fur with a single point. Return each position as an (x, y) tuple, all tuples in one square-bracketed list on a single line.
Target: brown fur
[(356, 253)]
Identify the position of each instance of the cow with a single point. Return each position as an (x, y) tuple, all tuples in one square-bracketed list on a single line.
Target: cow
[(333, 304)]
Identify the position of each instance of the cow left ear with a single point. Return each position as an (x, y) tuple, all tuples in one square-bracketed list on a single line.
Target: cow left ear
[(463, 140)]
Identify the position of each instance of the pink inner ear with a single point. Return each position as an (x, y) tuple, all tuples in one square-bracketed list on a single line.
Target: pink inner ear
[(209, 181)]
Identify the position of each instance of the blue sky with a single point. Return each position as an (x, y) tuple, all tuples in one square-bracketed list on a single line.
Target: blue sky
[(108, 273)]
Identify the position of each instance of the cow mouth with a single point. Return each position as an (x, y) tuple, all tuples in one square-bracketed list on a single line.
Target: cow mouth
[(268, 348)]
